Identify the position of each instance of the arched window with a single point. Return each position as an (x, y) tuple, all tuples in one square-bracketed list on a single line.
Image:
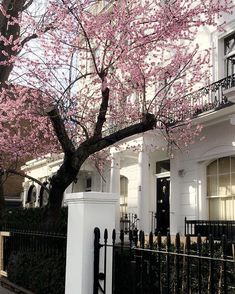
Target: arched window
[(31, 197), (123, 194), (221, 188), (43, 195)]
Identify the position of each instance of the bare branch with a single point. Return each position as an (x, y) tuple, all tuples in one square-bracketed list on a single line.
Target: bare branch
[(81, 125), (21, 174), (35, 36), (102, 113), (96, 144), (27, 5)]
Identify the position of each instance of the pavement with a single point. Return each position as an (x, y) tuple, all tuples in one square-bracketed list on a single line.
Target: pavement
[(5, 291)]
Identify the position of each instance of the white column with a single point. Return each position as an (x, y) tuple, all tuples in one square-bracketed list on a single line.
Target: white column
[(26, 186), (38, 188), (85, 212), (143, 191), (115, 184)]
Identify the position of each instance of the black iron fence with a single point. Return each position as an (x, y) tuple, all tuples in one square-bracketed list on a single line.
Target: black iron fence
[(30, 242), (143, 265), (216, 228)]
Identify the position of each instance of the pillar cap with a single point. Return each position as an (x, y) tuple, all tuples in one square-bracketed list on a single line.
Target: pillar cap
[(91, 197)]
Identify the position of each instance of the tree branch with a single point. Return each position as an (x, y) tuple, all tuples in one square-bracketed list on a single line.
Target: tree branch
[(81, 125), (12, 171), (94, 145), (27, 5), (35, 36), (102, 113), (60, 130)]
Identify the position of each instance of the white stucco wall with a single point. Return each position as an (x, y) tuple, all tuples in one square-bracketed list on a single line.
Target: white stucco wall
[(191, 189)]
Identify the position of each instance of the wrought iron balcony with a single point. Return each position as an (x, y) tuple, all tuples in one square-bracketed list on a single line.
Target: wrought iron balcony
[(213, 97), (216, 228)]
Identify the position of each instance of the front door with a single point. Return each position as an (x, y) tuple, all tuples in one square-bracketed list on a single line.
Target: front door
[(163, 205)]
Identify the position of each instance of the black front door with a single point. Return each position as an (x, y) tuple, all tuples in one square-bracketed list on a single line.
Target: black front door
[(163, 205)]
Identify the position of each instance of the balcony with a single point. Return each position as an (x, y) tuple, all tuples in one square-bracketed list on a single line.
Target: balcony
[(214, 97)]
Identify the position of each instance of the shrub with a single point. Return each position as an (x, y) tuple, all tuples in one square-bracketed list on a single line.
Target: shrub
[(40, 273)]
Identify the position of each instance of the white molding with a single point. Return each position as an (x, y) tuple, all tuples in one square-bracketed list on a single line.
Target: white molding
[(91, 197)]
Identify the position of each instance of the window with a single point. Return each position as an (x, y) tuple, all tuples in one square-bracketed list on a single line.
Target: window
[(229, 54), (123, 195), (162, 166), (221, 188), (88, 183)]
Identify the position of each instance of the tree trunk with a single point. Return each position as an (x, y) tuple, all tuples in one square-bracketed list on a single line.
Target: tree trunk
[(2, 199), (66, 174)]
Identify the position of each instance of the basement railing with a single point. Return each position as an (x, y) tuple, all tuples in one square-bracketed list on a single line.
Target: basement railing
[(216, 228)]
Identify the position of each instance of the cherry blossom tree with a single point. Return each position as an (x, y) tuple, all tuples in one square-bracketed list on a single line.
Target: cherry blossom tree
[(89, 74)]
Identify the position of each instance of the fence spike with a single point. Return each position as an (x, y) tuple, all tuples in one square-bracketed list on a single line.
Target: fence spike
[(187, 244), (211, 245), (122, 236), (199, 244), (130, 236), (135, 236), (168, 241), (224, 246), (97, 234), (151, 240), (114, 236), (142, 239), (105, 235), (159, 240), (177, 242)]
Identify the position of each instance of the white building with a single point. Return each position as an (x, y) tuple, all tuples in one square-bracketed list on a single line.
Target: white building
[(199, 184)]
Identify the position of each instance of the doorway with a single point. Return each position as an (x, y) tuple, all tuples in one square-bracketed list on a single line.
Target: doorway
[(163, 205)]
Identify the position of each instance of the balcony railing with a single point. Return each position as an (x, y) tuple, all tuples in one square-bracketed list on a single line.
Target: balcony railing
[(213, 227), (212, 97)]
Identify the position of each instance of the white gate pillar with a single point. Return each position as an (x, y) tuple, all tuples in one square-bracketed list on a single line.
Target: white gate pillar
[(115, 185), (86, 211), (143, 191)]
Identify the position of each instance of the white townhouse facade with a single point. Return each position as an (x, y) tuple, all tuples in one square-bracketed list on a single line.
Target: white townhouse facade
[(157, 192)]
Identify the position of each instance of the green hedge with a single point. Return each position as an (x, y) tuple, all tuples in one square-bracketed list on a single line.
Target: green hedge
[(40, 273), (34, 269), (34, 219)]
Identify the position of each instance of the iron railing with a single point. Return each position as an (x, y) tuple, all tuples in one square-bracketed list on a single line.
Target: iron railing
[(128, 222), (216, 228), (146, 266), (23, 241), (211, 97)]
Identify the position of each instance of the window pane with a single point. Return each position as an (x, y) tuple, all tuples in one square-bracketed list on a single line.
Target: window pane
[(224, 165), (214, 209), (227, 208), (224, 185), (232, 164), (212, 168), (162, 166), (123, 185), (229, 44), (212, 186), (233, 184)]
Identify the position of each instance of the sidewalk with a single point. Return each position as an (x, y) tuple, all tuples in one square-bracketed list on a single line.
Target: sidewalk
[(5, 291)]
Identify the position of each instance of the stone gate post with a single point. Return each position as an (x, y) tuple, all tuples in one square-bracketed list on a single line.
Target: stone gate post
[(86, 211)]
